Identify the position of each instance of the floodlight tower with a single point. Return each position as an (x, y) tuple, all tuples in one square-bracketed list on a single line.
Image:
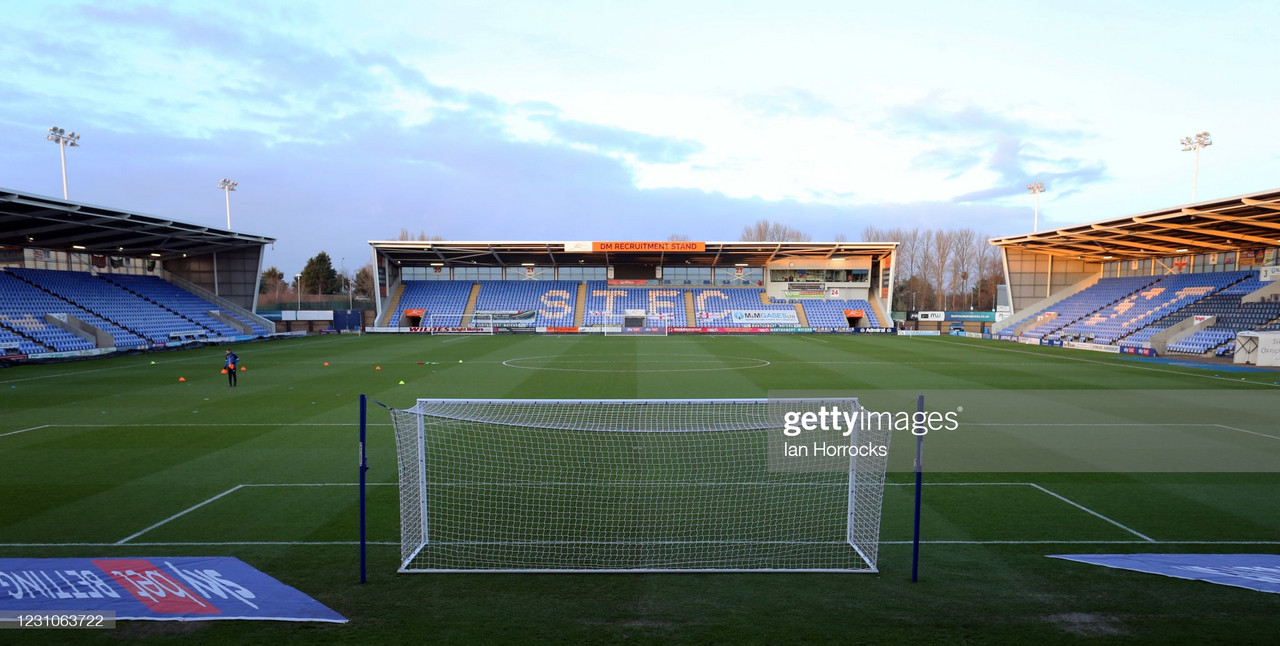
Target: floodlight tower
[(227, 186), (1036, 189), (1196, 143), (63, 138)]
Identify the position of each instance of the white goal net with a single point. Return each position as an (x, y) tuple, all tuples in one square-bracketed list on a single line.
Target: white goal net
[(631, 486)]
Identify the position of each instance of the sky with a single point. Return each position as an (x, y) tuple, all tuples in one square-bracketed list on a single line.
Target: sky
[(345, 122)]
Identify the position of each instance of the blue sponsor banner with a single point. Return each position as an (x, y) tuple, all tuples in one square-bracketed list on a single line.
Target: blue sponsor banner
[(1146, 352), (875, 330), (1259, 572), (971, 316), (155, 588)]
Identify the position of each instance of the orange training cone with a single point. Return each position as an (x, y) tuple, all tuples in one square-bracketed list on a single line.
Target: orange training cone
[(182, 378), (378, 368), (326, 363), (242, 368), (224, 371)]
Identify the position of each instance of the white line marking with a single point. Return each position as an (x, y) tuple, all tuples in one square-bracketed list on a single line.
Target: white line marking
[(210, 424), (141, 544), (181, 513), (1094, 513), (321, 484), (1092, 425), (454, 339), (1232, 428), (395, 543), (33, 428)]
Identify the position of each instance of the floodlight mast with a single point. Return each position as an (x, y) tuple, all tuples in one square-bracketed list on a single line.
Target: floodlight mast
[(1036, 189), (227, 186), (1196, 143), (63, 138)]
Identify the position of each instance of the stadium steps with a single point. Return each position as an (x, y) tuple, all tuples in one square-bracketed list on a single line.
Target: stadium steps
[(884, 321), (764, 298), (470, 310), (580, 311), (393, 306), (801, 315), (690, 312)]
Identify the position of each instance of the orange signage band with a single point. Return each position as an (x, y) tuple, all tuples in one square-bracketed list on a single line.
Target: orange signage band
[(642, 247)]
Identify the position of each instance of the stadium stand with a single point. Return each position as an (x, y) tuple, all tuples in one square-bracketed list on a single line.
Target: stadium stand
[(77, 299), (1222, 303), (445, 299), (830, 313), (1085, 302), (171, 297), (554, 300), (133, 310), (22, 318), (714, 307), (606, 303), (1145, 306)]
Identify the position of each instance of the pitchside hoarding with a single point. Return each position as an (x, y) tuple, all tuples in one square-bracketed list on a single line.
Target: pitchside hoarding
[(165, 588), (765, 317)]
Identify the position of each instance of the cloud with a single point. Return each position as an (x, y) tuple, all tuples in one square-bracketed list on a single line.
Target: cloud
[(643, 147), (971, 138), (937, 116), (787, 102)]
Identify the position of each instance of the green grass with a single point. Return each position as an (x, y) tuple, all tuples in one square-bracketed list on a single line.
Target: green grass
[(94, 452)]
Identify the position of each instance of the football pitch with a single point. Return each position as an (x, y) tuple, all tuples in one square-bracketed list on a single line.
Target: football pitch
[(1056, 451)]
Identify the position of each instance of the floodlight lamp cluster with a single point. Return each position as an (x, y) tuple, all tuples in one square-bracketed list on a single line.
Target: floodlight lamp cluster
[(1196, 142), (1038, 187), (227, 185), (62, 137)]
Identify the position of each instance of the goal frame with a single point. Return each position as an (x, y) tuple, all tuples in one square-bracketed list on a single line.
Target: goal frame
[(420, 484)]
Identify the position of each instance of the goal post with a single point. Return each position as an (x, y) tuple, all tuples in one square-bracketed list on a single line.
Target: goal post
[(635, 486)]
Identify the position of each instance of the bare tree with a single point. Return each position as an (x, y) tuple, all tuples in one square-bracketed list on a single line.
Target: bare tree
[(678, 237), (769, 231), (966, 251), (422, 236), (937, 261)]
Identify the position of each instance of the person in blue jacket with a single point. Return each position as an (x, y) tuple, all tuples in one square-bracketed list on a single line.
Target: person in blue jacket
[(232, 360)]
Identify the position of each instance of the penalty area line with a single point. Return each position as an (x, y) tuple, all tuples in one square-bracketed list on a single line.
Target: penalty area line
[(33, 428), (178, 515), (1094, 513), (1241, 430)]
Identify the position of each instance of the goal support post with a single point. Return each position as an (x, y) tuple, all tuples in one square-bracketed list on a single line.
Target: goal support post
[(637, 486)]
